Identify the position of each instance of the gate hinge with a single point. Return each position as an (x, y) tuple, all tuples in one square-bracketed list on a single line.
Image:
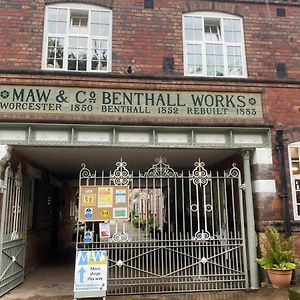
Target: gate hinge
[(242, 186)]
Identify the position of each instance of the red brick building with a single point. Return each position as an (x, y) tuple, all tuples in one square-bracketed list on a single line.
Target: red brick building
[(95, 81)]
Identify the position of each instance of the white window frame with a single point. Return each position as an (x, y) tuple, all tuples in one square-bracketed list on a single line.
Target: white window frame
[(221, 17), (293, 178), (69, 7)]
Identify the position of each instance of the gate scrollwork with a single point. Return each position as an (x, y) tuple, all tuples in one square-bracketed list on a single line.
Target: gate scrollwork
[(121, 175), (160, 170), (200, 175), (85, 172), (234, 172)]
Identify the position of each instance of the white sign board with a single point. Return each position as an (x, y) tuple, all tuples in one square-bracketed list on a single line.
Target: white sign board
[(90, 273)]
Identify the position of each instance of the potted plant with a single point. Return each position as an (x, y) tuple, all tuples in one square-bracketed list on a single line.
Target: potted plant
[(279, 257)]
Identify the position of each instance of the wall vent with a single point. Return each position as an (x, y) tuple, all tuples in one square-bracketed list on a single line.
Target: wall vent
[(168, 65), (281, 71), (280, 12), (148, 3)]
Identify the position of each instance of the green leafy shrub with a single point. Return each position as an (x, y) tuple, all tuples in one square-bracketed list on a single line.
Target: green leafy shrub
[(278, 252)]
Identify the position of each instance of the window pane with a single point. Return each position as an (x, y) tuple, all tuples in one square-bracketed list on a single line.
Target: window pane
[(62, 15), (194, 69), (82, 42), (51, 26), (105, 18), (72, 64), (232, 29), (61, 27), (210, 71), (188, 22), (197, 59), (198, 23), (239, 71), (59, 63), (197, 35), (230, 60), (193, 28), (295, 168), (79, 22), (230, 50), (238, 61), (210, 59), (209, 49), (190, 59), (189, 34), (227, 25), (228, 36), (298, 198), (219, 49), (219, 71), (236, 25), (237, 37), (103, 65), (104, 30), (52, 14), (103, 55), (95, 29), (237, 51), (50, 52), (294, 153), (72, 54), (212, 29), (219, 60), (72, 42), (81, 55), (95, 17), (55, 53), (82, 65), (197, 49)]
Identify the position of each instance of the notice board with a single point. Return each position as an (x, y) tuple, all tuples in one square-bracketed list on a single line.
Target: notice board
[(103, 203)]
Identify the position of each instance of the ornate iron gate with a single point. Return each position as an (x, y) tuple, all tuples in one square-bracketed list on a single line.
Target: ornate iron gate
[(12, 231), (185, 233)]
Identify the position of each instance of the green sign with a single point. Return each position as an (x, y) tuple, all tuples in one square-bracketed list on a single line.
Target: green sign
[(105, 102)]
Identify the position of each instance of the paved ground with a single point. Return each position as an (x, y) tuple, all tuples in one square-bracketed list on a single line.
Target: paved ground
[(54, 281)]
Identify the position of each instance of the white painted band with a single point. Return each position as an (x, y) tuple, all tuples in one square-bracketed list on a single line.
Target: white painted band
[(264, 186), (262, 156)]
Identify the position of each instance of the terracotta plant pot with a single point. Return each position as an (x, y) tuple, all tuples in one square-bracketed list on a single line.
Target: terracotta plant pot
[(280, 278)]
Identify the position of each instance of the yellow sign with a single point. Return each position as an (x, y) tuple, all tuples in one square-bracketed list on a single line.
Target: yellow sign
[(89, 200), (105, 213)]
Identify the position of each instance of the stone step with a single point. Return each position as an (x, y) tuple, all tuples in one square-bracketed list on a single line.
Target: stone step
[(294, 293)]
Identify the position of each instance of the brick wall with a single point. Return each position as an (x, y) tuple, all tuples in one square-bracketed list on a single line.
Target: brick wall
[(143, 37)]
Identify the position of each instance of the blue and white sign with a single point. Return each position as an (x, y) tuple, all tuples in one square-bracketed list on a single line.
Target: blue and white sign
[(88, 236), (91, 272), (88, 213)]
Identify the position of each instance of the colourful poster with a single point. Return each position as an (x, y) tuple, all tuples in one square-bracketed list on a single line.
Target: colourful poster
[(105, 196), (104, 229), (121, 196), (120, 213)]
